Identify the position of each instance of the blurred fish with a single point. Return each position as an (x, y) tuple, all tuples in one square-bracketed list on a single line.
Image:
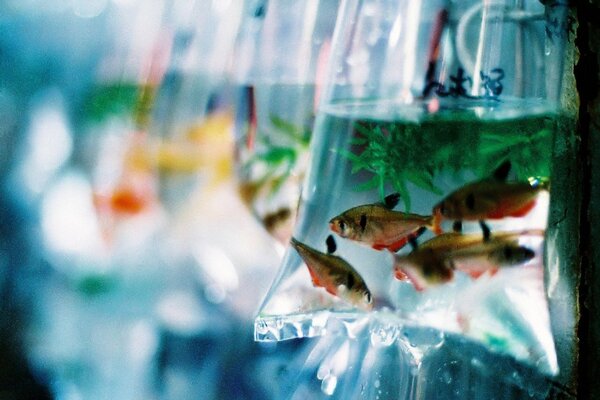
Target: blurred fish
[(434, 261), (489, 256), (207, 146), (334, 274), (379, 226), (491, 198), (134, 191), (423, 268)]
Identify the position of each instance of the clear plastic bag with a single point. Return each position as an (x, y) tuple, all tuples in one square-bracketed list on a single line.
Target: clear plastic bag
[(426, 201)]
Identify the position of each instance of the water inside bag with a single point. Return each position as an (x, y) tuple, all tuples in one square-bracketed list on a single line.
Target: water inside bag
[(479, 179)]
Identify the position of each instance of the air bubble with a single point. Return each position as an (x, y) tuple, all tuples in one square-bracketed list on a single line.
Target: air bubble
[(328, 385)]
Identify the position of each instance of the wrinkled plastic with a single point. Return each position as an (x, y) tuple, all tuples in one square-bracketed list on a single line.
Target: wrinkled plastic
[(440, 110), (281, 54)]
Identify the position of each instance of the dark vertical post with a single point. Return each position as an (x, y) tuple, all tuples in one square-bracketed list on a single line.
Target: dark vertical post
[(588, 130)]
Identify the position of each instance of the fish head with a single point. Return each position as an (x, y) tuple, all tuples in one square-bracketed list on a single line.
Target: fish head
[(343, 226)]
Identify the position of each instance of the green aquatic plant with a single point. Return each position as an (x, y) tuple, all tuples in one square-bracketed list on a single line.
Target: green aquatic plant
[(386, 151), (403, 153), (280, 159)]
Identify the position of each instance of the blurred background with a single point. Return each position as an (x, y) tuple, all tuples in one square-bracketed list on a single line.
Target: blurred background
[(129, 265)]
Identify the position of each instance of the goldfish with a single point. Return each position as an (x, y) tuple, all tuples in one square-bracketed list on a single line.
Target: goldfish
[(434, 261), (334, 274), (379, 226), (491, 198)]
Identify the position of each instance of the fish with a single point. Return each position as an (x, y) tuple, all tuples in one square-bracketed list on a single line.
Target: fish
[(423, 268), (379, 226), (334, 274), (490, 198), (434, 261), (489, 256)]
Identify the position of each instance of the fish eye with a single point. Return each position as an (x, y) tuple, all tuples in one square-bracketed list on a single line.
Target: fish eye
[(342, 225), (368, 297), (442, 208)]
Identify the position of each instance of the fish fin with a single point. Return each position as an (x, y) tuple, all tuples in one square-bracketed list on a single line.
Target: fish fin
[(475, 274), (398, 245), (363, 222), (330, 290), (411, 238), (486, 230), (400, 275), (523, 211), (314, 277), (331, 245), (413, 242), (501, 173), (391, 200), (417, 281), (378, 246), (494, 271), (457, 226)]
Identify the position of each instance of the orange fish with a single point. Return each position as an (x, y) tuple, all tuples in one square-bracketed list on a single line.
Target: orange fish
[(432, 262), (491, 198), (334, 274), (379, 226)]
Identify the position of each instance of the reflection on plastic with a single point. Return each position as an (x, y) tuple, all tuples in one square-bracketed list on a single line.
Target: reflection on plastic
[(430, 168), (419, 363)]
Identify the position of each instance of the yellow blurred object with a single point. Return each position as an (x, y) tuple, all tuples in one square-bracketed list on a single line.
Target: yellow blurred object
[(207, 146)]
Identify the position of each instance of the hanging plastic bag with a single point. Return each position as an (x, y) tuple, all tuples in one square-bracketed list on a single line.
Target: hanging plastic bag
[(426, 201)]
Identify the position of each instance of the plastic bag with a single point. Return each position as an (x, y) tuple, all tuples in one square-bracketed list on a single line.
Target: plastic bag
[(426, 201)]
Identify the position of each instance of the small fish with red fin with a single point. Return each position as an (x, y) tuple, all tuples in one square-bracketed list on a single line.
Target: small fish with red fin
[(334, 274), (379, 226), (491, 198), (434, 261)]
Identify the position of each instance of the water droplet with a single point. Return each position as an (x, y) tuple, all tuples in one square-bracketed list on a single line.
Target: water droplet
[(377, 383), (475, 362), (328, 385), (323, 372)]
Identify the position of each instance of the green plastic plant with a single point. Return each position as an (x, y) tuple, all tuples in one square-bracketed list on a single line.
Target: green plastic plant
[(399, 153)]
